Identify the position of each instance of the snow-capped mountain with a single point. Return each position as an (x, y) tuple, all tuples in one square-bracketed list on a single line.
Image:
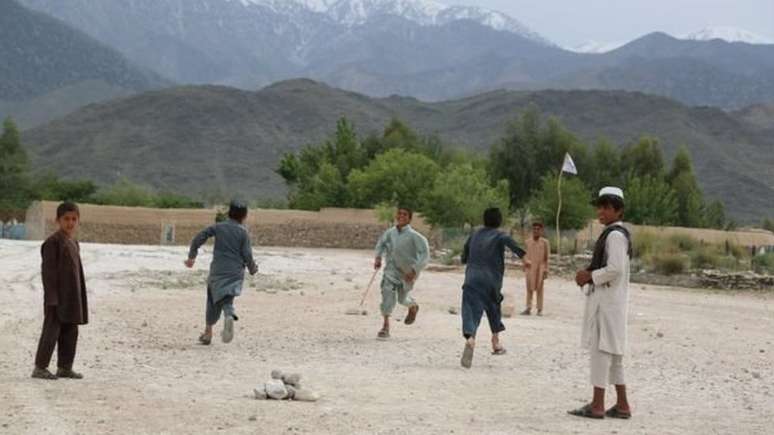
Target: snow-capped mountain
[(729, 34), (423, 12), (596, 47)]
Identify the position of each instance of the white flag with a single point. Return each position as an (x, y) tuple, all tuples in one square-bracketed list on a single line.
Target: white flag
[(568, 165)]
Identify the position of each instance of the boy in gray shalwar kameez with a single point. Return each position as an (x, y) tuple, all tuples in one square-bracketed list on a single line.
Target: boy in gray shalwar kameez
[(407, 253), (231, 254)]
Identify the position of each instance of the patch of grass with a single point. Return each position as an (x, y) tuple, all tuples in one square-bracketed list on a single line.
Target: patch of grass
[(645, 243), (670, 264), (683, 242), (705, 257), (764, 263)]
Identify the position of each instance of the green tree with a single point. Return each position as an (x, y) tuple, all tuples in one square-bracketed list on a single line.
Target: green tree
[(576, 202), (49, 187), (690, 201), (650, 201), (460, 195), (396, 176), (643, 159), (605, 166), (125, 193), (15, 188), (316, 175), (325, 189), (530, 149), (768, 224), (715, 215)]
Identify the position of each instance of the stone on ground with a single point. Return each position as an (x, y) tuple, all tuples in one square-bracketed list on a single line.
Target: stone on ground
[(275, 389), (305, 395)]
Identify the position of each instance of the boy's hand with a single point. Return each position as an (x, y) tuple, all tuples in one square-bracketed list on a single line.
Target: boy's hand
[(377, 263), (410, 277), (190, 262), (527, 263), (582, 277), (545, 275)]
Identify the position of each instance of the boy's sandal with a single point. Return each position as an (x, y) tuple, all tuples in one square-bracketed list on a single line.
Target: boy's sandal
[(205, 339), (467, 356), (383, 334), (614, 412), (39, 373), (412, 314), (499, 351), (585, 411), (68, 373)]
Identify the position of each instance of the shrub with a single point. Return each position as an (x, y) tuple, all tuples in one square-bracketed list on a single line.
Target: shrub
[(670, 264), (683, 242), (645, 243), (764, 263), (705, 258)]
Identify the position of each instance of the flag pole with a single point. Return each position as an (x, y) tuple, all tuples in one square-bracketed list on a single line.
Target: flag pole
[(558, 212)]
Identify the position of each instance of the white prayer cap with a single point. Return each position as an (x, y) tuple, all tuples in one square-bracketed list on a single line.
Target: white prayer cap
[(608, 193), (612, 191)]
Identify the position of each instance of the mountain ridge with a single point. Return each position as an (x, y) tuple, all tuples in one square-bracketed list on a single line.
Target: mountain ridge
[(201, 139)]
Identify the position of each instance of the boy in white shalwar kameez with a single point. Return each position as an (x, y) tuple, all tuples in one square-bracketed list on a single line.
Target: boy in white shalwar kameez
[(605, 317)]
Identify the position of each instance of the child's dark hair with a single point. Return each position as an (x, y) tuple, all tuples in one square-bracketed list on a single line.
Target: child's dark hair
[(237, 210), (67, 207), (610, 200), (407, 210), (493, 218)]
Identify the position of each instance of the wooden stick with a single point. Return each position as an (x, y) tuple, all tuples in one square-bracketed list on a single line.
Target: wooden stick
[(370, 283)]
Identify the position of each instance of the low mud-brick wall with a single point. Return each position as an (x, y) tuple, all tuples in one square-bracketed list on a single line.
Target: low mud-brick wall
[(328, 228)]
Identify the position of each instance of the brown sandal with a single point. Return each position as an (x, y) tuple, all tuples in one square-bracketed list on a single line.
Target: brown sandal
[(585, 411), (614, 412), (412, 314)]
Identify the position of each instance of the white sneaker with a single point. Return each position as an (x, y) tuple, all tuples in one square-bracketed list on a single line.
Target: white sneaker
[(228, 329)]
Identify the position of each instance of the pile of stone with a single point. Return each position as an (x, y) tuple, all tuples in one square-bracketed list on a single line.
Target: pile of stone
[(735, 281), (285, 387)]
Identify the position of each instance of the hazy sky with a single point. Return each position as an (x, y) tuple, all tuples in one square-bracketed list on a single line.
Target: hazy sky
[(572, 22)]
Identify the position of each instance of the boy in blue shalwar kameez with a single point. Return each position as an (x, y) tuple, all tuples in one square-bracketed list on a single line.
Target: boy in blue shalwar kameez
[(484, 257), (231, 254)]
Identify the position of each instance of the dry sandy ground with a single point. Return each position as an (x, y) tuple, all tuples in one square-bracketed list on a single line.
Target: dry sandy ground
[(711, 371)]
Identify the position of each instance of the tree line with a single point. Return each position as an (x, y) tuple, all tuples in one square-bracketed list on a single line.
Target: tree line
[(452, 187)]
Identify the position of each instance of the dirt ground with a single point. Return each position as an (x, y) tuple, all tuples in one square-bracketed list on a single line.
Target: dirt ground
[(700, 362)]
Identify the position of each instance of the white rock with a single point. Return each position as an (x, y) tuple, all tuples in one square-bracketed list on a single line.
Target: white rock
[(275, 389), (293, 379), (291, 392), (305, 395), (260, 392)]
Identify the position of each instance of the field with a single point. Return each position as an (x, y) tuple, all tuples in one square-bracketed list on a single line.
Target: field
[(700, 362)]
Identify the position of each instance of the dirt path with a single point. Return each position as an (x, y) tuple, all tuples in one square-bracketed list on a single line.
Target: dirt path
[(712, 371)]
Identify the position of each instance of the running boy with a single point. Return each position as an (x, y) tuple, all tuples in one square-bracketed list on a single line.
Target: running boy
[(64, 296), (484, 257), (231, 254), (407, 253)]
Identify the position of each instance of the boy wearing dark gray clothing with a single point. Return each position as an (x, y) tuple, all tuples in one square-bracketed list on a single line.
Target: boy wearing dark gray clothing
[(231, 254)]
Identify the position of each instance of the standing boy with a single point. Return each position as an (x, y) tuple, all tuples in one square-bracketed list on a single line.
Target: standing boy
[(231, 254), (407, 254), (484, 257), (64, 296), (538, 250), (607, 303)]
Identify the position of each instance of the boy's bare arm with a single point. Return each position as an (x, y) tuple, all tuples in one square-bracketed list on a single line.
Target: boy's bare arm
[(197, 242)]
